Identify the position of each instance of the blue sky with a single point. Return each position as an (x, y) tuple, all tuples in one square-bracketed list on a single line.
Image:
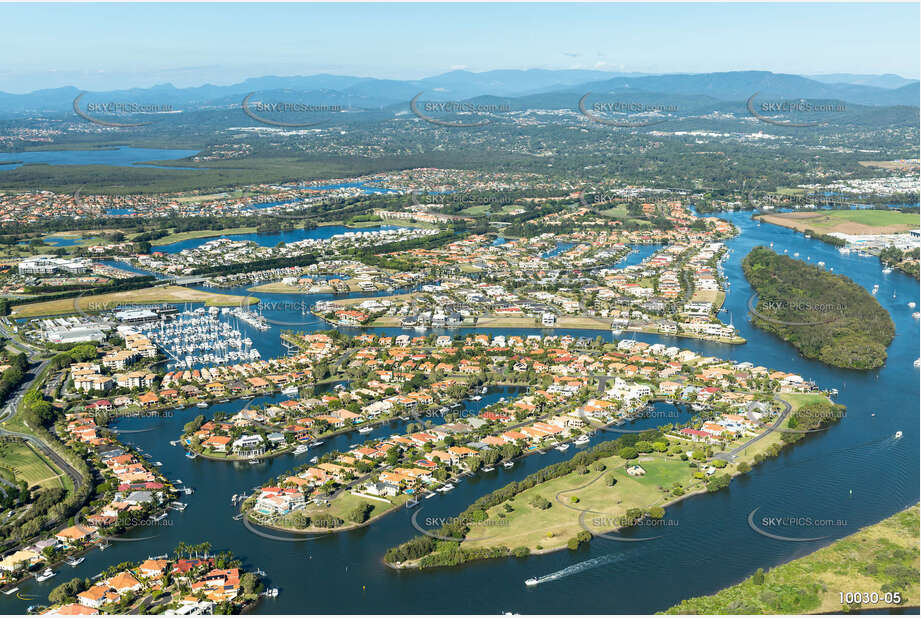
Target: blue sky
[(105, 46)]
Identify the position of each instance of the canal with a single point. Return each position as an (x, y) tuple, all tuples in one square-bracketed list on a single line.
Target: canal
[(856, 471)]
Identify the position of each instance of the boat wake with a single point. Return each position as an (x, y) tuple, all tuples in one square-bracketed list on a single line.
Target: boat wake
[(575, 568)]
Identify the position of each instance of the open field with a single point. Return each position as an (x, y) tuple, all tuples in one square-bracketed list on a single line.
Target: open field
[(603, 505), (104, 302), (709, 296), (166, 240), (25, 464), (847, 221), (878, 558), (900, 164)]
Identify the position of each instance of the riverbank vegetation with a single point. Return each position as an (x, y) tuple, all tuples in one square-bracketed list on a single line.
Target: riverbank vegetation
[(881, 560), (825, 316)]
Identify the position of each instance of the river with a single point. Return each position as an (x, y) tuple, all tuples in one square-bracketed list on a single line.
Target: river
[(855, 471)]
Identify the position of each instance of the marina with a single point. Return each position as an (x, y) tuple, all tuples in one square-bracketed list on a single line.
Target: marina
[(194, 338)]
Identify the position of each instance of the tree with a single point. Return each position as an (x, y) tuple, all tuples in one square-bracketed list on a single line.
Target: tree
[(628, 452)]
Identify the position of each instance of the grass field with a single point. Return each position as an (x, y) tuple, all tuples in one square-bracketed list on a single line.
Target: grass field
[(847, 221), (27, 465), (104, 302), (167, 240), (878, 558), (549, 529), (709, 296)]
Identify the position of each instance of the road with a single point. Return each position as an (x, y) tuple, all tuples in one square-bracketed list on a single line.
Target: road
[(732, 454)]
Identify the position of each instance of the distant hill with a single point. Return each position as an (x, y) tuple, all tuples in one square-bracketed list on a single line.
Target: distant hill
[(887, 80), (531, 86)]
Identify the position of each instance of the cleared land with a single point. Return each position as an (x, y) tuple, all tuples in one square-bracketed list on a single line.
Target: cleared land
[(847, 221), (103, 302), (878, 558), (20, 462)]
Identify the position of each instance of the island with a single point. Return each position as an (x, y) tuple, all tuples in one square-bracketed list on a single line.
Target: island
[(825, 316)]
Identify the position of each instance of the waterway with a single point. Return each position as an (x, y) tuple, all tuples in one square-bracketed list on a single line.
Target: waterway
[(118, 157), (855, 471), (270, 240)]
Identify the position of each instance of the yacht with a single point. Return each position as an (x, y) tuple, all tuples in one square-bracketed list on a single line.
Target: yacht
[(916, 315), (475, 398), (898, 435), (45, 575), (887, 270), (532, 581), (201, 404), (488, 469), (581, 440), (191, 455), (917, 362), (75, 561), (314, 460), (253, 462), (300, 449), (508, 465), (562, 448), (445, 488), (291, 390), (367, 429), (912, 305), (316, 443)]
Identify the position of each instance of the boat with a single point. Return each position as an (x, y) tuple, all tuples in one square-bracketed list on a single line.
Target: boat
[(201, 404), (475, 398), (300, 449), (367, 429), (271, 593), (291, 390), (316, 443), (178, 506), (75, 561), (191, 455), (430, 494), (158, 463), (314, 460), (887, 270), (917, 362), (173, 442), (898, 435), (445, 488), (253, 461), (532, 581), (916, 315), (45, 575), (562, 448), (483, 390), (488, 469), (159, 517), (912, 305), (508, 465), (581, 440), (104, 546)]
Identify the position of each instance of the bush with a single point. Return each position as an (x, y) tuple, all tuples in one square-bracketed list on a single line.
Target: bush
[(521, 552), (539, 502), (656, 512), (573, 543)]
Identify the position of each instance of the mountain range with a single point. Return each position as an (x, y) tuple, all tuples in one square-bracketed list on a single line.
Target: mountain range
[(527, 86)]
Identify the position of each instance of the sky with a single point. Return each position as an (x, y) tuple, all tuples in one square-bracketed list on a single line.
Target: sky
[(107, 46)]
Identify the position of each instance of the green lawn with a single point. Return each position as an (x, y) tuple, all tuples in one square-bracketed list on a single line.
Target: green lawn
[(551, 528), (27, 465)]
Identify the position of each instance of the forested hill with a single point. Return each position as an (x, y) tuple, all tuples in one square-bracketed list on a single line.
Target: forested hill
[(823, 315)]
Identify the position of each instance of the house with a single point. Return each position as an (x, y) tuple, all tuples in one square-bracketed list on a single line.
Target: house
[(97, 596), (73, 609), (75, 534)]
